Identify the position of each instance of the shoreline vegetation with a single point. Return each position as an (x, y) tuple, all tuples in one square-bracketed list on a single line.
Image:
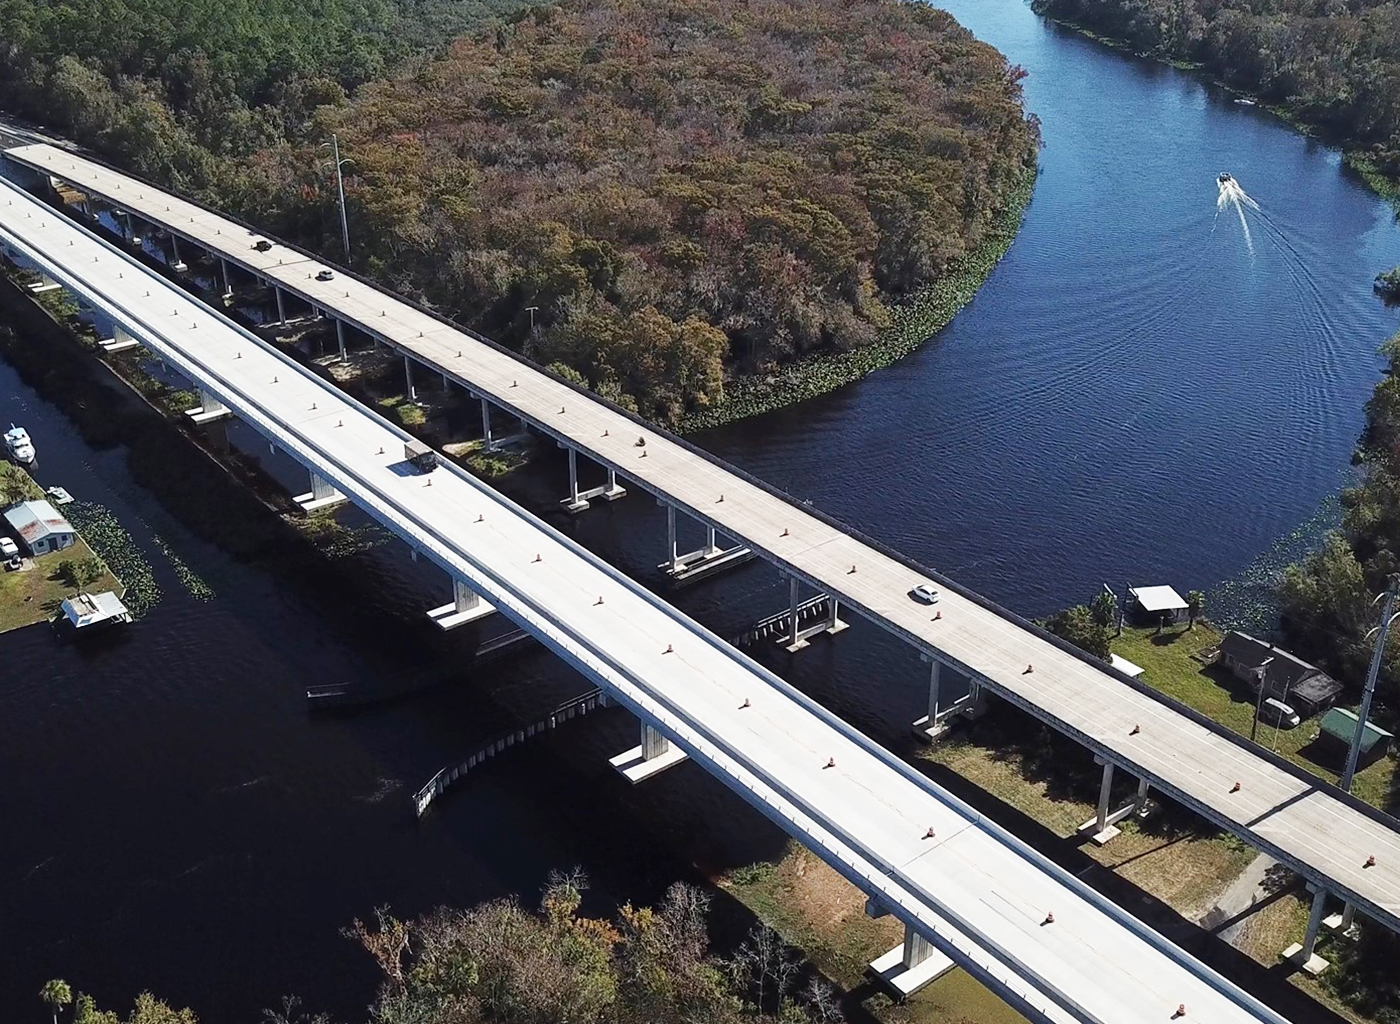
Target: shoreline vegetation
[(721, 193), (916, 321), (723, 210), (1333, 84)]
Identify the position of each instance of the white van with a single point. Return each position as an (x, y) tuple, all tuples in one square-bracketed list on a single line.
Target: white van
[(1276, 712)]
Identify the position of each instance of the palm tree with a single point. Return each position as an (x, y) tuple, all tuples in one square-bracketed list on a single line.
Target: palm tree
[(57, 994), (1195, 604)]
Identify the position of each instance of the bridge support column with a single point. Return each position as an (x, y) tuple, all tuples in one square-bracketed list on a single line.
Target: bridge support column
[(1104, 825), (909, 966), (577, 501), (1343, 924), (797, 636), (467, 606), (1301, 954), (210, 408), (223, 272), (129, 231), (44, 284), (281, 306), (931, 727), (491, 443), (176, 264), (409, 389), (321, 495), (340, 339), (702, 562), (120, 341), (654, 754)]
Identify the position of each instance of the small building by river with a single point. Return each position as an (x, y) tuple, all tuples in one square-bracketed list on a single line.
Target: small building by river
[(84, 611), (1156, 605), (39, 527)]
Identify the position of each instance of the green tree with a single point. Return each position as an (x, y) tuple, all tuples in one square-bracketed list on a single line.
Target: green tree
[(91, 569), (68, 574), (1078, 626), (1104, 608), (57, 995), (1195, 605)]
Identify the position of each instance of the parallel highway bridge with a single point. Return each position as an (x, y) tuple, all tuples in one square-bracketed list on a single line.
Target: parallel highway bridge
[(976, 893)]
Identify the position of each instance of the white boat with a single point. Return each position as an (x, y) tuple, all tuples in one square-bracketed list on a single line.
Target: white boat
[(18, 445)]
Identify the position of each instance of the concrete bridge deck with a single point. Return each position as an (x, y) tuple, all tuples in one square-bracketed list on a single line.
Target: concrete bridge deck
[(1311, 827), (979, 894)]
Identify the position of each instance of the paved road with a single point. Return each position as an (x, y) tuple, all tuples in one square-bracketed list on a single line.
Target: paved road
[(979, 893)]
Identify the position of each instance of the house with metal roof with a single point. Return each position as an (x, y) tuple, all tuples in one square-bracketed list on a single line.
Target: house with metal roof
[(1285, 676), (39, 527)]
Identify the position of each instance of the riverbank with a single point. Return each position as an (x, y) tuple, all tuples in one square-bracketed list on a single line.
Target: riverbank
[(32, 594), (916, 321), (1354, 153)]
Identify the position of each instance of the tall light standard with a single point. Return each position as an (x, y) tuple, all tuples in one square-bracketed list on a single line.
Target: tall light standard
[(1387, 617), (334, 147)]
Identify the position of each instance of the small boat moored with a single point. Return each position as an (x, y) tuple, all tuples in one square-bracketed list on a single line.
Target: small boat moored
[(18, 445)]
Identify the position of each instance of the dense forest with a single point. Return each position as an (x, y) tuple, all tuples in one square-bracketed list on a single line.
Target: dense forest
[(672, 190), (173, 88), (1331, 63), (501, 964), (1327, 600)]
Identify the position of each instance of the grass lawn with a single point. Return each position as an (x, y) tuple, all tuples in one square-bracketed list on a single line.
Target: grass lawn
[(819, 912), (30, 597), (1171, 668), (1171, 855)]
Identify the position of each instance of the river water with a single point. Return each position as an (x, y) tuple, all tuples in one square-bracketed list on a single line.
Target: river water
[(1132, 395)]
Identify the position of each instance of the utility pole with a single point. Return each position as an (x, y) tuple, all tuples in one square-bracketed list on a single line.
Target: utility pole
[(531, 311), (1387, 617), (1259, 701), (340, 192)]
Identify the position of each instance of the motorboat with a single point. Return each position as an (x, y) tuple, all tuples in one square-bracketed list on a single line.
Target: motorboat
[(18, 445), (1224, 178)]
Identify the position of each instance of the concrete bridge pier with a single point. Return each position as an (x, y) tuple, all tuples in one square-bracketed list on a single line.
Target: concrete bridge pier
[(1103, 826), (228, 287), (120, 340), (176, 264), (131, 233), (796, 638), (281, 306), (1302, 954), (491, 443), (909, 966), (467, 606), (704, 561), (1343, 924), (409, 389), (654, 754), (45, 284), (210, 408), (340, 339), (322, 494), (578, 501)]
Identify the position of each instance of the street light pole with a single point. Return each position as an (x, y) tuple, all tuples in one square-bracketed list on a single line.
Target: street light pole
[(340, 194), (1387, 616)]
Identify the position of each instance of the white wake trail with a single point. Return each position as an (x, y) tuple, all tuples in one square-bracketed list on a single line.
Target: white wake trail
[(1231, 195)]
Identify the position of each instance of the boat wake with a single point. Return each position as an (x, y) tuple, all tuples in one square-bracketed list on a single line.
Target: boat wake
[(1233, 197)]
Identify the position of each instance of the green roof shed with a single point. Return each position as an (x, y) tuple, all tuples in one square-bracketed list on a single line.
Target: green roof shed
[(1339, 725)]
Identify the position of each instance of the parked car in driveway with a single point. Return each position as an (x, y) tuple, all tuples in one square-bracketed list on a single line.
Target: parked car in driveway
[(1276, 712)]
